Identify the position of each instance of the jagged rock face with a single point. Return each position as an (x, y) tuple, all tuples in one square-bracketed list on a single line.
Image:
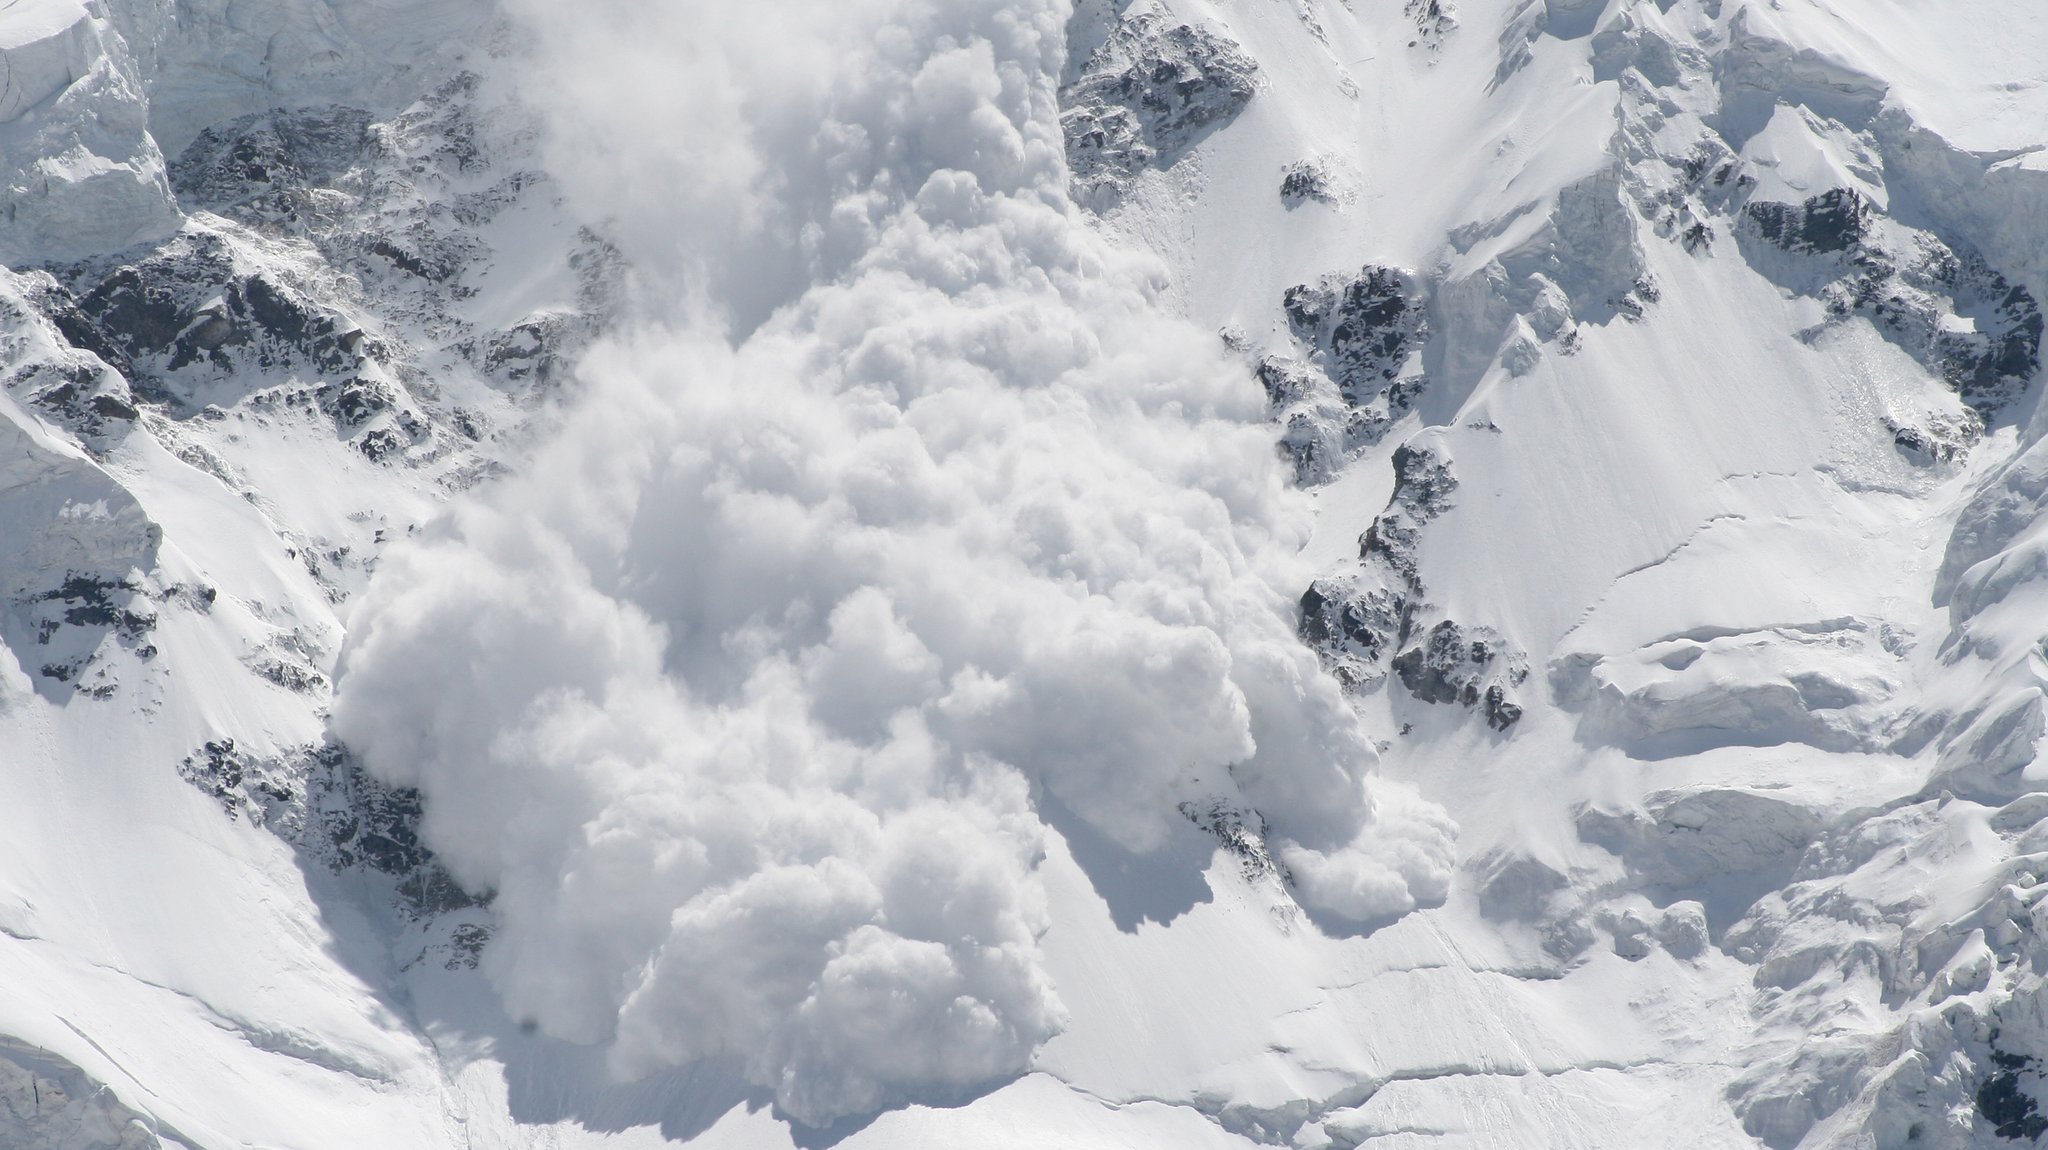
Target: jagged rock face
[(1833, 221), (1708, 387), (74, 563), (1350, 627), (275, 166), (324, 281), (1364, 331), (1147, 95), (1974, 329), (1321, 432), (1375, 618), (1432, 19), (1938, 437), (1452, 665), (1308, 181), (187, 322), (1423, 487), (1361, 338), (339, 818), (227, 383), (1357, 621)]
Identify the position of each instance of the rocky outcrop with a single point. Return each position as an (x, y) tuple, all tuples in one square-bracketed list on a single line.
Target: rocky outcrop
[(282, 166), (1365, 331), (73, 563), (1150, 92), (1374, 618), (1357, 620), (1360, 340), (1309, 181), (324, 276), (340, 819), (1432, 20), (1453, 664), (1970, 326)]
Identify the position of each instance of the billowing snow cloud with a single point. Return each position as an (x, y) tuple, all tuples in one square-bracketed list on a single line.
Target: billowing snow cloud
[(740, 696)]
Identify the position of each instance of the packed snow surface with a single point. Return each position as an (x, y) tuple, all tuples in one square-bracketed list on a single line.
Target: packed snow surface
[(1122, 573)]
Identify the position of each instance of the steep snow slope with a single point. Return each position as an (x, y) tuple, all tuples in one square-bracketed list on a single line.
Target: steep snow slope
[(1686, 451), (869, 715)]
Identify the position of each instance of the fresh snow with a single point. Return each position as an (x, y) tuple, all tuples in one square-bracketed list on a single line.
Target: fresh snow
[(835, 594)]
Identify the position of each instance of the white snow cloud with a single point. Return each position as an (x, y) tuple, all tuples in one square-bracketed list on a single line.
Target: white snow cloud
[(740, 694)]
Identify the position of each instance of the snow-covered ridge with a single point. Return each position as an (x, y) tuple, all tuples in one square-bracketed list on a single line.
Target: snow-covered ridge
[(899, 698)]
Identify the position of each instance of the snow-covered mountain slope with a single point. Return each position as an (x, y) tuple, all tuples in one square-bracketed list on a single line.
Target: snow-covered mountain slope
[(1135, 573)]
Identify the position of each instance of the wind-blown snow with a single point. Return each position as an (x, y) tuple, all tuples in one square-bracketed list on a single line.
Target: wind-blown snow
[(740, 697), (878, 686)]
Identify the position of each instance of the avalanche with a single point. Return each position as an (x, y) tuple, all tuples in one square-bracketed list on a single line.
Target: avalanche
[(1125, 573)]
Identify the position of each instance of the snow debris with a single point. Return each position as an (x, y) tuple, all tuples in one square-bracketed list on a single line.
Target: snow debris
[(739, 696)]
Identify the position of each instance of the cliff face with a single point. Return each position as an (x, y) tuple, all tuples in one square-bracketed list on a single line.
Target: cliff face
[(1157, 573)]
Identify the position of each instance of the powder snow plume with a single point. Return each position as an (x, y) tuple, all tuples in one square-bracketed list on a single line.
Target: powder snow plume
[(742, 695)]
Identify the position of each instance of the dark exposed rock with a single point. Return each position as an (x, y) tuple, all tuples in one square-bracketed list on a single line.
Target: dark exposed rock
[(356, 401), (293, 677), (1991, 365), (1944, 305), (1352, 626), (195, 596), (1149, 93), (1356, 620), (138, 314), (1438, 670), (1362, 335), (1242, 832), (425, 267), (192, 317), (1287, 381), (1432, 19), (315, 220), (1937, 438), (269, 163), (380, 444), (1834, 221), (1320, 432), (1363, 329), (1501, 711), (80, 330), (90, 601), (320, 216), (85, 397), (1455, 665), (318, 798), (539, 349), (1423, 486), (2005, 1103), (70, 622), (1306, 181), (466, 945), (237, 780)]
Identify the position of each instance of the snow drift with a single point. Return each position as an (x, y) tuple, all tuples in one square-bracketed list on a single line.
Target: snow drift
[(742, 696)]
